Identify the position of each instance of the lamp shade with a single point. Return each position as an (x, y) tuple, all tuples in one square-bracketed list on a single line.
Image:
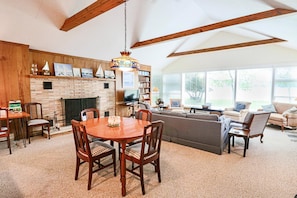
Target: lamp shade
[(125, 62)]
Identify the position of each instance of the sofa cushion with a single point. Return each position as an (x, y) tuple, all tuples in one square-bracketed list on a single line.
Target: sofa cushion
[(282, 107), (239, 106), (232, 113), (277, 117), (203, 116), (154, 110), (143, 105), (173, 113), (269, 108), (292, 110)]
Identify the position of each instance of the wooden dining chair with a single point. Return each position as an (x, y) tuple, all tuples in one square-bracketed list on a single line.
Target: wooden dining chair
[(90, 152), (148, 152), (4, 127), (144, 114), (254, 128), (36, 119), (141, 114), (91, 113)]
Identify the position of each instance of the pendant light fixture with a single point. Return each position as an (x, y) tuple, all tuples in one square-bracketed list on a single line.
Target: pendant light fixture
[(125, 62)]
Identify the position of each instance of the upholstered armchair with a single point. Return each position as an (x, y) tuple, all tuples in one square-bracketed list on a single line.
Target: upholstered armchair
[(238, 112), (282, 114)]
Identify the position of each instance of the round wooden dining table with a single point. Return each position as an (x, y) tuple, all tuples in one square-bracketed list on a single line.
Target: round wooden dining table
[(129, 130)]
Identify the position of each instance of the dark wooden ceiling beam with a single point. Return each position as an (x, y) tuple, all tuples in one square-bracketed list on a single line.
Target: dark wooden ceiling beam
[(235, 21), (95, 9), (225, 47)]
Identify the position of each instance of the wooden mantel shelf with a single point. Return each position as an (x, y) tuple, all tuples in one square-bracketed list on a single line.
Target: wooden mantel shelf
[(70, 78)]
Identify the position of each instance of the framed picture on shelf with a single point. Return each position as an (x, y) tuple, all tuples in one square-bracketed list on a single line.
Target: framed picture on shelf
[(62, 69), (109, 74), (76, 72), (87, 73), (128, 79)]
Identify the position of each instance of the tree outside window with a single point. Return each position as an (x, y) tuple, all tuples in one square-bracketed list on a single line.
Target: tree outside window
[(194, 88)]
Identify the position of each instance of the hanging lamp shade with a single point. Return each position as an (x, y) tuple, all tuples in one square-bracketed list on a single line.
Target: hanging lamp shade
[(125, 62)]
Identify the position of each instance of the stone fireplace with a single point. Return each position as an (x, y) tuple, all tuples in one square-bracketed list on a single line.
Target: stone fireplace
[(84, 91)]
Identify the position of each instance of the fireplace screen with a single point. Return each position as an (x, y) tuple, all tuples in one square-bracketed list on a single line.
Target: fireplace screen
[(74, 106)]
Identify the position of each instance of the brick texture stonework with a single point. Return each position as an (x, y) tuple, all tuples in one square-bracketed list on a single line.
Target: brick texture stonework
[(67, 88)]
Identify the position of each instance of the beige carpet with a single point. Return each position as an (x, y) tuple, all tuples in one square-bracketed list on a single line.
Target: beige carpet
[(45, 168)]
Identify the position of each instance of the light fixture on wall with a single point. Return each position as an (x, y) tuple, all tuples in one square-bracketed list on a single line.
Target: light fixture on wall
[(125, 62)]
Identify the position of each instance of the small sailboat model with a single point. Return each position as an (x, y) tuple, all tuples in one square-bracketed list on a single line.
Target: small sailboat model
[(99, 73)]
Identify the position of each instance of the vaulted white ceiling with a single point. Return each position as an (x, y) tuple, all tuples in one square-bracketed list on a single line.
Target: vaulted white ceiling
[(38, 22)]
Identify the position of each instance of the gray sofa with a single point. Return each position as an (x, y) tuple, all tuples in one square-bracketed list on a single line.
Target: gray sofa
[(207, 132)]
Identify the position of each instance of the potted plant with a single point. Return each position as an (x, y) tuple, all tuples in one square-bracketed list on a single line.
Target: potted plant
[(160, 102)]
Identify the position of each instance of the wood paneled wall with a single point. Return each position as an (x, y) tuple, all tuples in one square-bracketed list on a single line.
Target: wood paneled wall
[(15, 64), (14, 67), (40, 57)]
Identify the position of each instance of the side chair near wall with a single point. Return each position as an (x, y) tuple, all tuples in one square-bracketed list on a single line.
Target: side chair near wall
[(90, 152), (253, 128), (91, 113), (148, 152), (36, 119), (4, 126)]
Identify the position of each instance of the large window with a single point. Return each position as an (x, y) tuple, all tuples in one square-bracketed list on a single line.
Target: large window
[(220, 88), (193, 89), (255, 86), (171, 87), (285, 86)]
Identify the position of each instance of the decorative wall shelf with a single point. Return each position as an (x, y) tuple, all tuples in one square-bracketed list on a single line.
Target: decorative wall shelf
[(70, 77)]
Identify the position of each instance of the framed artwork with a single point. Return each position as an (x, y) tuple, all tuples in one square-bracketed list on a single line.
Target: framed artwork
[(62, 69), (86, 72), (76, 72), (175, 103), (109, 74), (128, 79)]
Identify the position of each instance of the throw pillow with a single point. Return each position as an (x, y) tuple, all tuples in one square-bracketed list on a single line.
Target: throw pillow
[(269, 108), (239, 106), (291, 110)]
